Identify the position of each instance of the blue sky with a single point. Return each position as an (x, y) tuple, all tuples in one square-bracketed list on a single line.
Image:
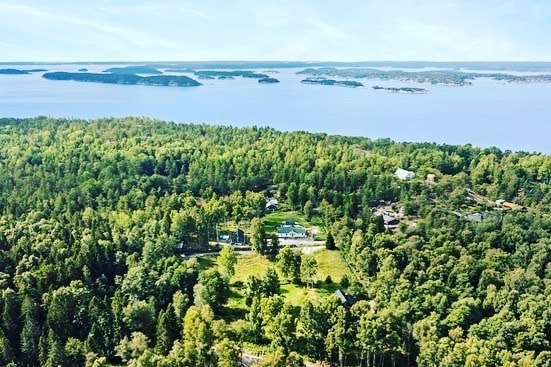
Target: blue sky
[(344, 30)]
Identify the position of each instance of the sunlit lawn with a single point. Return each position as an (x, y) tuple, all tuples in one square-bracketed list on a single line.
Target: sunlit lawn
[(273, 220), (329, 263), (250, 264)]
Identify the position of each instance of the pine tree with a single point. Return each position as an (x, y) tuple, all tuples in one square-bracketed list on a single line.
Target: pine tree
[(330, 242)]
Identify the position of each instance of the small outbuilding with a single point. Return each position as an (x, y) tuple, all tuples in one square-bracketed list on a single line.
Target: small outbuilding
[(272, 205), (403, 174), (346, 299), (238, 237)]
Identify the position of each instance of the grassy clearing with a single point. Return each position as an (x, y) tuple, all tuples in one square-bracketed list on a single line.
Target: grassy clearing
[(273, 220), (298, 295), (329, 263), (250, 264)]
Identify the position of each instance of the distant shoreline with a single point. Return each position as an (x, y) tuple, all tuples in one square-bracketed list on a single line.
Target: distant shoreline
[(519, 66)]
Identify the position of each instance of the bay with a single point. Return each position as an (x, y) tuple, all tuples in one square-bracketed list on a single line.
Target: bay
[(488, 113)]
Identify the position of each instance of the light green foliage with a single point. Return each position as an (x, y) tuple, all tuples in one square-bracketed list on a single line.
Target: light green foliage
[(314, 324), (288, 263), (228, 354), (227, 260), (308, 269), (67, 313), (75, 352), (197, 338), (132, 348), (278, 322)]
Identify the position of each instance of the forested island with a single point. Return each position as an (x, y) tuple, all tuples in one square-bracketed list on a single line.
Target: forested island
[(229, 74), (401, 89), (431, 255), (122, 78), (19, 71), (446, 77), (325, 81), (134, 69), (268, 81)]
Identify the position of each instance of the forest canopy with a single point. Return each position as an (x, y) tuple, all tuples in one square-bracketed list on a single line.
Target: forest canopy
[(92, 214)]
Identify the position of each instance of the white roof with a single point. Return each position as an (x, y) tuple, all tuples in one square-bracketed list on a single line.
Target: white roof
[(404, 174)]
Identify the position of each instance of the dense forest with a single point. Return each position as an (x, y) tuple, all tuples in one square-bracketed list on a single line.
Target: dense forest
[(93, 214)]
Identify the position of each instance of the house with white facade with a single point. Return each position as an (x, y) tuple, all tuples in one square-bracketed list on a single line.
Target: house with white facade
[(289, 229)]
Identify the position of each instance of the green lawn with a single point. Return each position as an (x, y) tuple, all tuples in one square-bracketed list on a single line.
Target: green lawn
[(273, 220), (250, 264), (329, 263), (297, 295)]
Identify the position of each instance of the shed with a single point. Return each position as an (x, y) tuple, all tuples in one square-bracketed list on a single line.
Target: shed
[(403, 174), (346, 299), (238, 237)]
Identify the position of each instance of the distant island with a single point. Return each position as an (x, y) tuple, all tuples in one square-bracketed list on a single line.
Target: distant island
[(401, 90), (13, 72), (445, 77), (268, 80), (179, 70), (20, 72), (83, 70), (128, 79), (134, 69), (204, 74), (325, 81)]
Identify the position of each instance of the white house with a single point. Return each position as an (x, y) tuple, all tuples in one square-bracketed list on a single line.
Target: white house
[(272, 205), (291, 232), (403, 174), (289, 229)]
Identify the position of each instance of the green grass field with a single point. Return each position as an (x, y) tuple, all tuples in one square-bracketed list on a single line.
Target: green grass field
[(330, 263), (273, 220), (250, 264)]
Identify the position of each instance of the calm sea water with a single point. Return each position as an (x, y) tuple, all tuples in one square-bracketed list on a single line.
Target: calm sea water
[(489, 113)]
